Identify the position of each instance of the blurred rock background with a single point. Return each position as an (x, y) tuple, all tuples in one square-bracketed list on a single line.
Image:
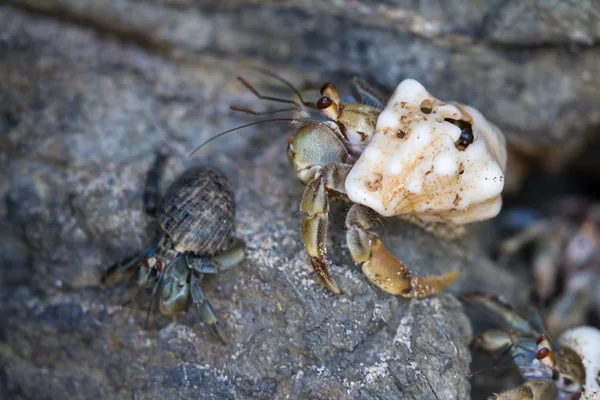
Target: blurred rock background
[(89, 90)]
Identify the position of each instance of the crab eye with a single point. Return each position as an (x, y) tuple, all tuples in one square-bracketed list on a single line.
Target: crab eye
[(324, 102), (542, 353)]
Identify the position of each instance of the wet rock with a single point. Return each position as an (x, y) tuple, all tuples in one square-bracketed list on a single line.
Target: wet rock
[(87, 111)]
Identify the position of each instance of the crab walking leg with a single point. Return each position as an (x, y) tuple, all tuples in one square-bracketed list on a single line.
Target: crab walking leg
[(382, 268), (503, 313), (219, 262), (200, 300), (314, 225), (532, 390), (494, 342), (571, 308)]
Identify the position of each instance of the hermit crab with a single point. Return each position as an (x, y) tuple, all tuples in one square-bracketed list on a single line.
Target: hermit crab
[(417, 157), (567, 373), (196, 219)]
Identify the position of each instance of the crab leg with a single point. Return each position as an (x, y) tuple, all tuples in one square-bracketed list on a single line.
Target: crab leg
[(382, 268), (314, 225), (219, 262), (532, 390), (503, 313)]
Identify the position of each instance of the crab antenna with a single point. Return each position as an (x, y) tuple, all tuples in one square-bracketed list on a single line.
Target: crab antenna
[(252, 112), (125, 264), (292, 120), (135, 295), (264, 97), (286, 83), (484, 371), (120, 266)]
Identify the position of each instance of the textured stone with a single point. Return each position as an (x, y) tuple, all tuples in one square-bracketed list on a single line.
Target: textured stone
[(502, 57), (82, 111)]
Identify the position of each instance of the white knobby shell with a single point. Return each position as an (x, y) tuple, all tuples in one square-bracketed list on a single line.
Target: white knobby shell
[(585, 341), (412, 165)]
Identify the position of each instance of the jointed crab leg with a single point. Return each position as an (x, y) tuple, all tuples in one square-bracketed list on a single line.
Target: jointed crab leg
[(382, 268), (314, 225), (504, 313), (532, 390), (219, 262)]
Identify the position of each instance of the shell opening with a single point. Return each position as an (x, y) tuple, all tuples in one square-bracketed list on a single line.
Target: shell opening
[(466, 133)]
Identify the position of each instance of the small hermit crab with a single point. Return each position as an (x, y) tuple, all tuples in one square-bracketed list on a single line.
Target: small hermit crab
[(417, 157), (569, 373), (196, 219)]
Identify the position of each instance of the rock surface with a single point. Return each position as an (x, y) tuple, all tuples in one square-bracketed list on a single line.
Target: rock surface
[(89, 90), (528, 66)]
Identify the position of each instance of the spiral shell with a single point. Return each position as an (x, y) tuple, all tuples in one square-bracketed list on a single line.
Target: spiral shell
[(198, 212)]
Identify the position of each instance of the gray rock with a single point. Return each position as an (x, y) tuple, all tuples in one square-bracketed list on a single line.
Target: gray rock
[(81, 113), (529, 66)]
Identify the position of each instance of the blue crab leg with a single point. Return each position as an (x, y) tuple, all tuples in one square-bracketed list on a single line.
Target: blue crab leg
[(506, 315)]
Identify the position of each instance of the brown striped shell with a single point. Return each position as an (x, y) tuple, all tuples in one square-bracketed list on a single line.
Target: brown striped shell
[(198, 211)]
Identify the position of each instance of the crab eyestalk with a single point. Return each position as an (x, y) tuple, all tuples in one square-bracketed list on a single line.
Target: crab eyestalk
[(328, 107), (544, 352), (328, 90)]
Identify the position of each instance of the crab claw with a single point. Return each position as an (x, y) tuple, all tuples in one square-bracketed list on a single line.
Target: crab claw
[(391, 275)]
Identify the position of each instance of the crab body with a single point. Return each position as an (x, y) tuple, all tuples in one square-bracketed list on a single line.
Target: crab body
[(417, 157), (196, 219)]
